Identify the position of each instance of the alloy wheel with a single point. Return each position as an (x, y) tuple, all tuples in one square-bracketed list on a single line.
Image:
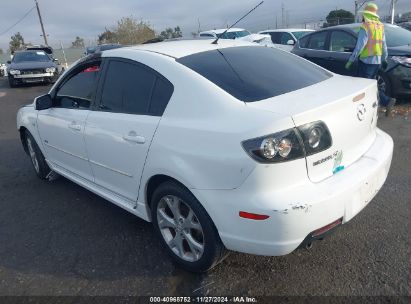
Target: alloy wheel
[(180, 228), (33, 155)]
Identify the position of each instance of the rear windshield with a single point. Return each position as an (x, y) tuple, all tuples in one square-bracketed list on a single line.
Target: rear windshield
[(253, 73)]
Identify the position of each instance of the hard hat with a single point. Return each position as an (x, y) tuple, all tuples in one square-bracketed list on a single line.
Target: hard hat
[(371, 9)]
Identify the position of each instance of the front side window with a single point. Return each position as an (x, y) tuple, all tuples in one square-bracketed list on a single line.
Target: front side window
[(79, 89), (317, 41), (252, 73), (285, 37), (134, 89), (341, 41)]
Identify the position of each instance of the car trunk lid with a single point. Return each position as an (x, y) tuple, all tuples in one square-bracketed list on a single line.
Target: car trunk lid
[(348, 106)]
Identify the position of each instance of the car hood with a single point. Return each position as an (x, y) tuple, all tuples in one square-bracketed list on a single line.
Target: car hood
[(31, 65), (402, 50)]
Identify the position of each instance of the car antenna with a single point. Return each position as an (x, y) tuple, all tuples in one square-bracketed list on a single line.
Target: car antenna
[(218, 36)]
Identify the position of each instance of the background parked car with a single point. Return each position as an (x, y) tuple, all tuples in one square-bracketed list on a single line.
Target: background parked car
[(238, 34), (285, 39), (232, 33), (406, 25), (49, 51), (32, 66), (101, 48), (331, 48)]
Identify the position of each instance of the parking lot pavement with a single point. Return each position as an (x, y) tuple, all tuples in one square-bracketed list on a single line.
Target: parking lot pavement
[(57, 238)]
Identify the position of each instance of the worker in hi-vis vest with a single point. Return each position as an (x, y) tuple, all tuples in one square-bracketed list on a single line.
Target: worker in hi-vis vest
[(372, 49)]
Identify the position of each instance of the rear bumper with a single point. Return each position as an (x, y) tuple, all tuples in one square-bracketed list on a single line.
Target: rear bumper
[(299, 209)]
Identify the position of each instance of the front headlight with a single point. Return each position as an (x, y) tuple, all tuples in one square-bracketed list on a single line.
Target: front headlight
[(50, 70), (14, 72), (406, 61)]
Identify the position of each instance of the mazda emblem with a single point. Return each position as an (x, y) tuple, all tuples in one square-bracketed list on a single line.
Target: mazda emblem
[(361, 110)]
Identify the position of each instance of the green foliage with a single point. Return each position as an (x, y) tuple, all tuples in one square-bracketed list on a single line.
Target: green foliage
[(78, 43), (170, 33), (107, 37), (16, 43), (127, 31), (340, 16)]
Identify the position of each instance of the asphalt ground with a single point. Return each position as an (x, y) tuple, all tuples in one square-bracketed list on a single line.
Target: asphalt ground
[(57, 238)]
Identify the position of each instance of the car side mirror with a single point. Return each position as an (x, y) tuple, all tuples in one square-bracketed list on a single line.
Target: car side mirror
[(290, 42), (44, 102), (8, 61), (55, 60)]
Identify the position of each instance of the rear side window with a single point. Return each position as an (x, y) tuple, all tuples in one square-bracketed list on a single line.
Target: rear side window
[(163, 90), (134, 89), (317, 41), (253, 73), (340, 41)]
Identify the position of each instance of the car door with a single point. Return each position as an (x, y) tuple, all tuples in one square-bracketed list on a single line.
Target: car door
[(314, 48), (61, 127), (341, 46), (118, 134)]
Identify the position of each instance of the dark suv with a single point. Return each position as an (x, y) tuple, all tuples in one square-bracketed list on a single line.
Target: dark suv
[(331, 48)]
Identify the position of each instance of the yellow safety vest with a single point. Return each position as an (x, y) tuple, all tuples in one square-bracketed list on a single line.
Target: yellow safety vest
[(375, 30)]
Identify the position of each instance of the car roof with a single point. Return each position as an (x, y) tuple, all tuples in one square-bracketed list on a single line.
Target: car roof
[(220, 31), (288, 30), (182, 48), (353, 26)]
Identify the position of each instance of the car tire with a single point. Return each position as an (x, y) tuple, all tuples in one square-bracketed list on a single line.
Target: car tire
[(37, 158), (12, 82), (384, 84), (187, 233)]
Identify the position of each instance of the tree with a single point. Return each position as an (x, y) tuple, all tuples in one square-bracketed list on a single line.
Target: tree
[(78, 43), (128, 31), (16, 43), (169, 33), (340, 16), (1, 51), (107, 37)]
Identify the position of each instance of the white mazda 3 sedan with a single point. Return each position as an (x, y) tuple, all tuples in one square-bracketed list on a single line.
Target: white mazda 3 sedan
[(222, 146)]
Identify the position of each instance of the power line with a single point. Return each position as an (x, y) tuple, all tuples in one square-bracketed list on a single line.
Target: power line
[(20, 20)]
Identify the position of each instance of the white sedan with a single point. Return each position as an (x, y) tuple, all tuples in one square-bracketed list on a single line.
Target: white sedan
[(222, 146)]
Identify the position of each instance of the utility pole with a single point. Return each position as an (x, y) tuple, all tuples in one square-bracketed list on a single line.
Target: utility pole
[(282, 15), (358, 6), (392, 10), (41, 23)]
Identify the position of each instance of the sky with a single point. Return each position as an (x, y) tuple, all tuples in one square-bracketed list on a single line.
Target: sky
[(64, 20)]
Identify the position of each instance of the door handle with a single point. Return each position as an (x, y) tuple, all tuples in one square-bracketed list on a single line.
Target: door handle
[(133, 137), (331, 59), (74, 126)]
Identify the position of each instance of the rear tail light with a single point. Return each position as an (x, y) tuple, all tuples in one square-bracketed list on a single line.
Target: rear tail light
[(253, 216), (290, 144), (316, 137), (274, 148)]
